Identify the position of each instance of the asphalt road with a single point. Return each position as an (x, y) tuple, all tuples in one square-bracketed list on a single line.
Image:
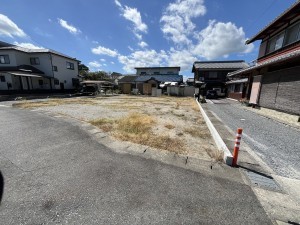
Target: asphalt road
[(55, 173), (277, 144)]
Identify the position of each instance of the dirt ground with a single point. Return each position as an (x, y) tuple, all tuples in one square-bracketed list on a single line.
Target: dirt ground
[(169, 123)]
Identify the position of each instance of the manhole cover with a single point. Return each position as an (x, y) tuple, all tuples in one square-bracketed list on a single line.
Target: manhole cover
[(263, 181)]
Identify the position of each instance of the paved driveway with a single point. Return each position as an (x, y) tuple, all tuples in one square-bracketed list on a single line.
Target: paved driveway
[(277, 144), (57, 174)]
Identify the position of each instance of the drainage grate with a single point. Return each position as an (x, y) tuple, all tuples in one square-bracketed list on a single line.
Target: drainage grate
[(263, 181)]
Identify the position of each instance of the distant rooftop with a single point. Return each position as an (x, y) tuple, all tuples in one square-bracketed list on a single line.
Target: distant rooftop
[(160, 78), (158, 67), (227, 65)]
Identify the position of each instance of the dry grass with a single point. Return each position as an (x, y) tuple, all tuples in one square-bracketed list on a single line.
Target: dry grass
[(197, 132), (195, 106), (29, 104), (104, 124), (54, 102), (217, 155), (137, 128), (169, 126), (136, 123)]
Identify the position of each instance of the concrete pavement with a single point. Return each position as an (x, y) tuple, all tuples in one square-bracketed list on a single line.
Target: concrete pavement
[(57, 173), (268, 156)]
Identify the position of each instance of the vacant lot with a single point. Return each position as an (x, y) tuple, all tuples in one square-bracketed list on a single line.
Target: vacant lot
[(169, 123)]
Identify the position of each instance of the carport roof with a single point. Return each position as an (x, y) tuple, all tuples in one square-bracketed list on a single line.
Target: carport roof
[(160, 78), (21, 68)]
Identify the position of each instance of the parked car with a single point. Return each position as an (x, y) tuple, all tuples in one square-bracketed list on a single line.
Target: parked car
[(211, 94)]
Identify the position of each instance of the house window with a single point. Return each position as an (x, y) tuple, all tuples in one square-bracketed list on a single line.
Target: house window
[(143, 73), (170, 72), (213, 75), (292, 34), (237, 88), (41, 82), (56, 82), (4, 59), (54, 68), (70, 66), (34, 61), (275, 43), (2, 78), (75, 82), (156, 73)]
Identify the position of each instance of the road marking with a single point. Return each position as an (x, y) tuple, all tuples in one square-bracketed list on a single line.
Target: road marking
[(4, 106), (259, 145), (209, 101)]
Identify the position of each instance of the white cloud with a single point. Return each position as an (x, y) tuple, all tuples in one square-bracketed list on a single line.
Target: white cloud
[(100, 50), (130, 48), (102, 60), (182, 58), (69, 27), (118, 3), (133, 15), (143, 44), (27, 45), (95, 42), (143, 58), (9, 28), (220, 39), (94, 64), (138, 36), (112, 63), (176, 20)]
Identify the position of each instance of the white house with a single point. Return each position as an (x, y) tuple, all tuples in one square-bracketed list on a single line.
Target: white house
[(23, 69), (157, 70)]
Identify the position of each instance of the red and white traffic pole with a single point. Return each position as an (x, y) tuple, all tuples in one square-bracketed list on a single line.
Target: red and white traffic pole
[(237, 146)]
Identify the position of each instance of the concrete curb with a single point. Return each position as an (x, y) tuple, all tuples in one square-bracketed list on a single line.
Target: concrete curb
[(217, 138)]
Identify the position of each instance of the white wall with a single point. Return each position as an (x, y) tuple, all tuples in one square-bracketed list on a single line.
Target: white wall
[(47, 60), (12, 58), (63, 74), (164, 71), (8, 79)]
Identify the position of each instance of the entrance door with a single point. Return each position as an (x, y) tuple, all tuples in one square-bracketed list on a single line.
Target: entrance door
[(147, 89), (62, 86), (255, 89)]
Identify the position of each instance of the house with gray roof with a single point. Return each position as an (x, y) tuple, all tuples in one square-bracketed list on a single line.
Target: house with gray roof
[(212, 75), (274, 78), (23, 69)]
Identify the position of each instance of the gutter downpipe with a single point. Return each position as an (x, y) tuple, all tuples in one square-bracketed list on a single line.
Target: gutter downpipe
[(52, 71)]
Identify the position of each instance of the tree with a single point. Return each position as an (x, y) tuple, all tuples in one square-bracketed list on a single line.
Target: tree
[(99, 75), (83, 69)]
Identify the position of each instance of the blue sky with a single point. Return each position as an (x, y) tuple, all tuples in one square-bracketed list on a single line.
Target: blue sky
[(118, 35)]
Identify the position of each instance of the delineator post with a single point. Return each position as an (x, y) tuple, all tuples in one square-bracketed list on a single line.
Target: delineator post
[(237, 146)]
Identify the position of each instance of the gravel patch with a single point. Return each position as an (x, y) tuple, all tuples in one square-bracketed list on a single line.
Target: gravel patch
[(176, 117)]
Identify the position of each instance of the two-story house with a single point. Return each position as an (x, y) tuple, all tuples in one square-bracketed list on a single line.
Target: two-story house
[(212, 75), (23, 69), (275, 77), (151, 77)]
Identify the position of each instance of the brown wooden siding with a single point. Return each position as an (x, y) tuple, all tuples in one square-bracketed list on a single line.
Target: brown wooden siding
[(281, 90)]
